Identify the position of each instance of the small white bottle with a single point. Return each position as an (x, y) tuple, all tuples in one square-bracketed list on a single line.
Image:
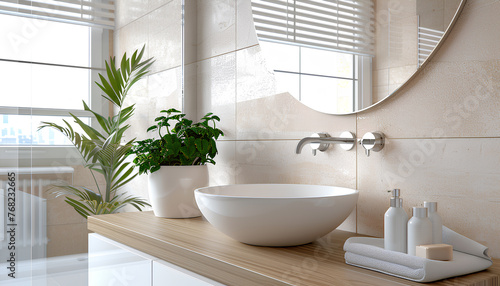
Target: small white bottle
[(419, 229), (437, 223), (395, 222)]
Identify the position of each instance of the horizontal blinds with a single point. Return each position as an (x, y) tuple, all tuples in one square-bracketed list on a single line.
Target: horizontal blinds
[(341, 25), (98, 13)]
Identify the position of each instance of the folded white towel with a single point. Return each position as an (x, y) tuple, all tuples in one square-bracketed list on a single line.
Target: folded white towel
[(468, 257)]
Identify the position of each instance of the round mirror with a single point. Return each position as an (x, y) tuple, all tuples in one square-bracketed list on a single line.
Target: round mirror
[(344, 56)]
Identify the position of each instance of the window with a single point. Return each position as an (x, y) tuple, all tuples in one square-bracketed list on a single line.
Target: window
[(324, 80), (319, 50), (48, 65)]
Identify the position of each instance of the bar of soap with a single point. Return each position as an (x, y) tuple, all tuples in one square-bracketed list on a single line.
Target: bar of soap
[(443, 252)]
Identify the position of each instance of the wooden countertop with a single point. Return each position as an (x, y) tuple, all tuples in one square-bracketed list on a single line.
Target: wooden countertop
[(197, 246)]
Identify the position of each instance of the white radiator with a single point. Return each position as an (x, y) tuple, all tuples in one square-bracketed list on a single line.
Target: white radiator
[(427, 41), (30, 211)]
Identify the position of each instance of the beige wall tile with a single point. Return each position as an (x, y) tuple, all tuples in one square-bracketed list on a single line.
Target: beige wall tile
[(128, 11), (164, 92), (445, 99), (155, 4), (399, 75), (225, 170), (450, 8), (276, 162), (254, 78), (83, 177), (165, 36), (246, 35), (60, 212), (216, 27), (131, 37), (67, 239), (216, 84), (474, 35), (460, 174)]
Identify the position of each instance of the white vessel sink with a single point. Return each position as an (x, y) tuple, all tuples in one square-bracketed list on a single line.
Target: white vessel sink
[(275, 214)]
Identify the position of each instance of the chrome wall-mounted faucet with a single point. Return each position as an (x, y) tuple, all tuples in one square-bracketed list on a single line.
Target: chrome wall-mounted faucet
[(372, 141), (321, 141)]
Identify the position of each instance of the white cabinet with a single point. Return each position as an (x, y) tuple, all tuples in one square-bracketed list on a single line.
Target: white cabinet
[(114, 264), (165, 273)]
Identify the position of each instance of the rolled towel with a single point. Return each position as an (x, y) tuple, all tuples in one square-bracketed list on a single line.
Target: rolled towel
[(464, 244), (468, 257)]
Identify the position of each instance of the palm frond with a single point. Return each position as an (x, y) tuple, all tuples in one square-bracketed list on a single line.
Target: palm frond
[(103, 151), (86, 202)]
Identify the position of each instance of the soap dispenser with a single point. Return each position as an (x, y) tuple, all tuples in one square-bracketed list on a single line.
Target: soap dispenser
[(395, 225), (437, 223)]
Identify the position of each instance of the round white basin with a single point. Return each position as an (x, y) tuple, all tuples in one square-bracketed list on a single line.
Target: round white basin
[(276, 214)]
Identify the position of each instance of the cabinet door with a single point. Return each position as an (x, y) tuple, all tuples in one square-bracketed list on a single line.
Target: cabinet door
[(114, 264), (166, 274)]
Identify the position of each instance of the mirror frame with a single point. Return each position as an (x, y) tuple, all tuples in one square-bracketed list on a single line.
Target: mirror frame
[(416, 72)]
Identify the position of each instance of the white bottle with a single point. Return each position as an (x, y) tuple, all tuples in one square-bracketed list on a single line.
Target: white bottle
[(395, 221), (419, 229), (437, 223)]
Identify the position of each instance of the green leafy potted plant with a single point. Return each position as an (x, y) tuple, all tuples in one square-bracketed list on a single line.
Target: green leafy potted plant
[(176, 161), (101, 148)]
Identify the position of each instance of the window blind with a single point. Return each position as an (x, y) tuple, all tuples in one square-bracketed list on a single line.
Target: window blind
[(98, 13), (340, 25)]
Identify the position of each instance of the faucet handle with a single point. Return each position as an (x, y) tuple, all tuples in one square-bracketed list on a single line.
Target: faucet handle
[(319, 146), (372, 141)]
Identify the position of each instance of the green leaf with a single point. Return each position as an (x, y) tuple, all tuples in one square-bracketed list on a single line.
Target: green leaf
[(103, 152)]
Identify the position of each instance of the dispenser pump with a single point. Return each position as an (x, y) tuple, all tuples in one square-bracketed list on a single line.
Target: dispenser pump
[(396, 201), (395, 193), (395, 223)]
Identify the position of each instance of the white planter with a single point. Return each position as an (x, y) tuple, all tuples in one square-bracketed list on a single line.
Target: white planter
[(171, 190)]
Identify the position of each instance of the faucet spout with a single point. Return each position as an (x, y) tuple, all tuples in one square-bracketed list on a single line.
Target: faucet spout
[(305, 141), (322, 141)]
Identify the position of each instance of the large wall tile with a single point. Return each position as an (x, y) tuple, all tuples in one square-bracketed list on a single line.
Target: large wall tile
[(474, 34), (216, 84), (225, 170), (131, 37), (216, 27), (444, 100), (164, 92), (462, 175), (254, 77), (155, 4), (84, 177), (128, 11), (276, 162), (60, 212), (165, 36), (67, 239), (245, 30)]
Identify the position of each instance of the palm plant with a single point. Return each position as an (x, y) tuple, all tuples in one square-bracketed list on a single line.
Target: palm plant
[(102, 150)]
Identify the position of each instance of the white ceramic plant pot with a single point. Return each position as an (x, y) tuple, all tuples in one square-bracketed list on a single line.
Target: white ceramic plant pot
[(171, 190)]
